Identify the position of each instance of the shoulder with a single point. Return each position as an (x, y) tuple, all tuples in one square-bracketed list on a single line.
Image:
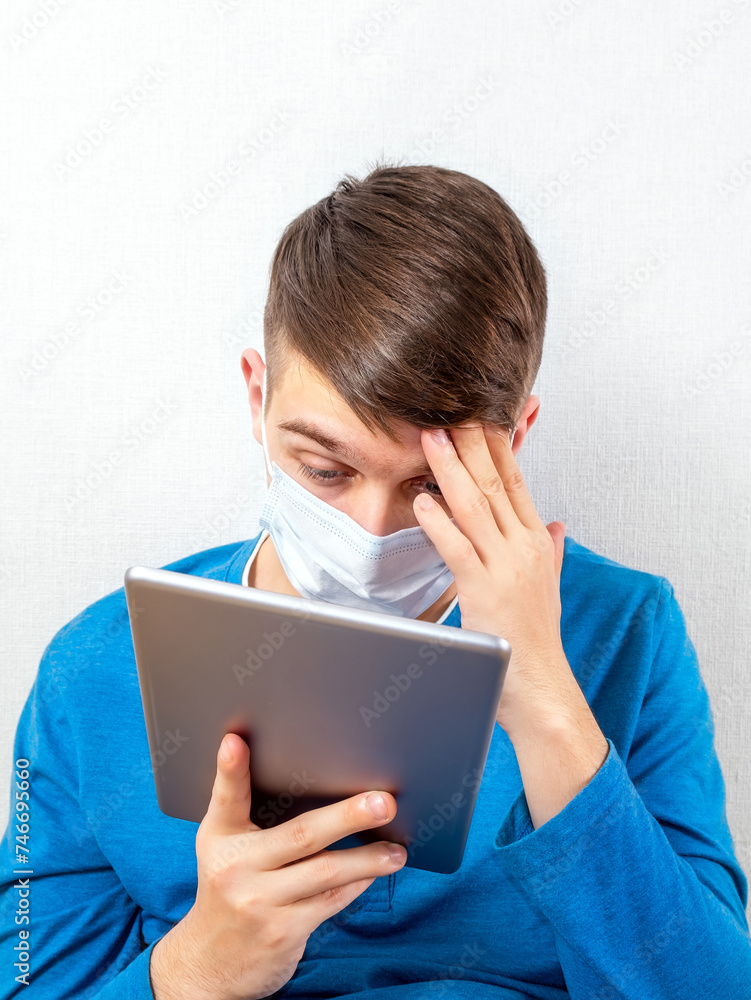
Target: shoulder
[(589, 576), (626, 641), (614, 616)]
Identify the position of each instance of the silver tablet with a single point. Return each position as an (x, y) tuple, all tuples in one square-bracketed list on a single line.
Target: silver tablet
[(331, 700)]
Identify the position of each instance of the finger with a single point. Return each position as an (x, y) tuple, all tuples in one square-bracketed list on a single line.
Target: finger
[(499, 443), (316, 829), (473, 449), (469, 506), (329, 869), (309, 913), (456, 550), (229, 808)]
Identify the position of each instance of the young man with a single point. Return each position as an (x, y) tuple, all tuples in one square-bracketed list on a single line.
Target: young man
[(599, 862)]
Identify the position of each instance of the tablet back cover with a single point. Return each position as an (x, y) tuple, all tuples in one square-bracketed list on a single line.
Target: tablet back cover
[(332, 701)]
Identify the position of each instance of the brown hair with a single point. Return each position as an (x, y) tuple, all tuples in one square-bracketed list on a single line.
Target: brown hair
[(416, 293)]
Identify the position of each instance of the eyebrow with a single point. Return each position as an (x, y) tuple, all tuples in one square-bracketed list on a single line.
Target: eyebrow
[(297, 425)]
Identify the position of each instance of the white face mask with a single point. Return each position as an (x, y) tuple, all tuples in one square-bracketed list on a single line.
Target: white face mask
[(327, 556)]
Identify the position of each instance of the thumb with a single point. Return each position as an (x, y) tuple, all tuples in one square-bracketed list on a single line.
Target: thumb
[(557, 531), (229, 808)]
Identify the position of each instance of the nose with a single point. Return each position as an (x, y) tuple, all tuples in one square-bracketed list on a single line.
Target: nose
[(378, 510)]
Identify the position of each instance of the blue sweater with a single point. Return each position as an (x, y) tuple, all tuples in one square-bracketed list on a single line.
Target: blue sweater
[(632, 891)]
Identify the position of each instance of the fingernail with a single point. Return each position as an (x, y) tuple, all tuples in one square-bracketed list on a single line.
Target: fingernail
[(224, 751), (377, 805), (440, 435), (397, 853)]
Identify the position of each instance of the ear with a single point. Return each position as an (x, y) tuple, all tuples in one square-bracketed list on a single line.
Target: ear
[(528, 416), (253, 367), (252, 363)]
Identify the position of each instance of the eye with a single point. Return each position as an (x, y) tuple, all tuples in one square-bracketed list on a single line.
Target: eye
[(327, 475), (320, 474), (438, 492)]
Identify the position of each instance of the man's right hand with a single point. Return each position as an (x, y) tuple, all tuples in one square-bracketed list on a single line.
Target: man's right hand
[(261, 893)]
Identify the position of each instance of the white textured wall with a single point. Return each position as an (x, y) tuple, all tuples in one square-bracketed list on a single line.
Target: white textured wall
[(620, 134)]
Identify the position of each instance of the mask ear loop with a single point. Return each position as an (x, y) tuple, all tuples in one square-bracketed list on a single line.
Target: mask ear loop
[(266, 456)]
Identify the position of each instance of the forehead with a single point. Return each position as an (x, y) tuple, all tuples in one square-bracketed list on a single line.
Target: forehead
[(306, 408)]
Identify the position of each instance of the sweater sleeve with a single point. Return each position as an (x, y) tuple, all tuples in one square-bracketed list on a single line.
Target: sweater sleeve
[(637, 873), (84, 931)]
